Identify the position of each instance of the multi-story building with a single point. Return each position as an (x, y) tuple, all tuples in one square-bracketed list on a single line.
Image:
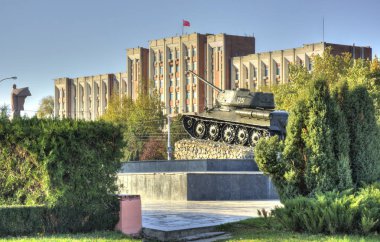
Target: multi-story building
[(227, 61), (271, 68), (220, 50), (207, 55), (137, 69), (169, 60), (87, 97)]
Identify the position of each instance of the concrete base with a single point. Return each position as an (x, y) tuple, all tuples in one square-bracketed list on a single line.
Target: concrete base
[(188, 165), (195, 180), (198, 186)]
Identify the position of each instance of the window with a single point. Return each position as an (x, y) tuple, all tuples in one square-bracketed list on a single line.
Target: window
[(161, 83), (194, 107), (186, 52), (172, 83), (194, 66), (171, 69), (277, 69), (194, 80), (159, 56), (187, 108), (162, 98), (310, 65), (194, 94), (254, 72), (154, 57), (170, 55), (194, 51), (177, 54), (177, 95), (265, 70), (237, 74), (156, 84), (161, 70), (187, 80), (172, 96), (188, 95), (177, 68)]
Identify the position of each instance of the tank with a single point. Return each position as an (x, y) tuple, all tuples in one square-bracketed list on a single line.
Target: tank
[(240, 117)]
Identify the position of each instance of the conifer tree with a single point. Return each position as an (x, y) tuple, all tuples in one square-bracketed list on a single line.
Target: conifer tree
[(364, 136)]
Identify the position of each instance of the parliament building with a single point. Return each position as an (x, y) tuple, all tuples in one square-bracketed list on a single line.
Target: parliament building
[(227, 61)]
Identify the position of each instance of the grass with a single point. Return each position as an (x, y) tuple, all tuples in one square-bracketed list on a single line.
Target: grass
[(255, 229), (101, 236), (268, 229)]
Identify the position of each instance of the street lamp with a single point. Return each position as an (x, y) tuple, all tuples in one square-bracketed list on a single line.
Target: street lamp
[(13, 77)]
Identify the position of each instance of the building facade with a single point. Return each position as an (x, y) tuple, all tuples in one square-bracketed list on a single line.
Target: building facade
[(87, 97), (265, 69), (137, 71), (207, 55), (227, 61)]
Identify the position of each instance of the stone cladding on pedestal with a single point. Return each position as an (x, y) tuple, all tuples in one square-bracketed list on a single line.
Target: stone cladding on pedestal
[(191, 149)]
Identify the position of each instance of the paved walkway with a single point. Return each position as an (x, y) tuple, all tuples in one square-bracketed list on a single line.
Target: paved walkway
[(170, 216)]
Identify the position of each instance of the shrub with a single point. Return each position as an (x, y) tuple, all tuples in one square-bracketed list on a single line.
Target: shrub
[(69, 166), (23, 220), (333, 212)]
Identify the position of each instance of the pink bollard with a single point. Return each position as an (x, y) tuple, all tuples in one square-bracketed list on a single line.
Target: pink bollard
[(130, 220)]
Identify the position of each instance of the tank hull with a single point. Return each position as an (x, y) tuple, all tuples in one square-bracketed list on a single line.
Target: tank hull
[(240, 127)]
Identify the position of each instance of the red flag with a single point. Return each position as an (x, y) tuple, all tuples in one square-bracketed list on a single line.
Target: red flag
[(186, 23)]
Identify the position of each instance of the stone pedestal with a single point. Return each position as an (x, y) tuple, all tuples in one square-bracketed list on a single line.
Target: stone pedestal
[(192, 149)]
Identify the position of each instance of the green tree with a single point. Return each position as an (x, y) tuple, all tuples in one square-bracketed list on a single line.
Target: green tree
[(4, 111), (315, 148), (139, 119), (46, 108), (364, 135)]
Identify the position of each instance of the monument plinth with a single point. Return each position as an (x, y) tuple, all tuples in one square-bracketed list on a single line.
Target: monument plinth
[(193, 149)]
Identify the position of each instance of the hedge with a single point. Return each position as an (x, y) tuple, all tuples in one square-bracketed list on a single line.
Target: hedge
[(67, 166), (24, 220)]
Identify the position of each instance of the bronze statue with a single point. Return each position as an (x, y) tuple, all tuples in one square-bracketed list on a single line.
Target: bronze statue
[(18, 96)]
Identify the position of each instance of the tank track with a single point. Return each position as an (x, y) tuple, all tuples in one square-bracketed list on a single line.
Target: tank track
[(222, 131)]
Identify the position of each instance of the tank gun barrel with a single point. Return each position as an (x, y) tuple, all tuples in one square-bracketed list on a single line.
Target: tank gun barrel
[(203, 80)]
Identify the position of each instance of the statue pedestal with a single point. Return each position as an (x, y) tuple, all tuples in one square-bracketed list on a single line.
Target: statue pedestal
[(193, 149)]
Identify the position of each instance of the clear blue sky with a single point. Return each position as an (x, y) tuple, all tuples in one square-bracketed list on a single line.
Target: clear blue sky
[(44, 39)]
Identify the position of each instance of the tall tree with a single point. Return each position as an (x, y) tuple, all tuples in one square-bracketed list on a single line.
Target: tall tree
[(46, 108), (139, 119)]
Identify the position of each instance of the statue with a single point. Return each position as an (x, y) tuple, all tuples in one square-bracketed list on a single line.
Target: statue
[(18, 96)]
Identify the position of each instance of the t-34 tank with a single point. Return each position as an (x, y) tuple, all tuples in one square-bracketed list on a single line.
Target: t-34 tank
[(240, 117)]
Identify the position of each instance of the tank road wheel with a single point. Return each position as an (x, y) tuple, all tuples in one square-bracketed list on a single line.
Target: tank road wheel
[(228, 134), (200, 129), (188, 122), (214, 132), (254, 137), (242, 136)]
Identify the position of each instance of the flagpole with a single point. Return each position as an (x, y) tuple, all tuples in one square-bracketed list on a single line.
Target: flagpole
[(182, 26)]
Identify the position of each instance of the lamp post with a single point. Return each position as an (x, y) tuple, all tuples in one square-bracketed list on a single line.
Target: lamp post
[(13, 77)]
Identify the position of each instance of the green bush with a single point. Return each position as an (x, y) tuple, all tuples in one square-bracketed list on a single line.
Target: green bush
[(69, 166), (333, 212), (23, 220), (332, 143)]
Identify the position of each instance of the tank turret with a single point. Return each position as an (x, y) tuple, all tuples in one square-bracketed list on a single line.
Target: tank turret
[(239, 117)]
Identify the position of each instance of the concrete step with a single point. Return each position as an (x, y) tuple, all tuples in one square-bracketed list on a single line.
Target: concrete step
[(175, 235), (207, 237)]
